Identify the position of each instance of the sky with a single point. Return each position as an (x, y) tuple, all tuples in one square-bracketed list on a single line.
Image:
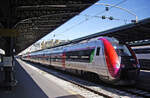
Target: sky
[(89, 21)]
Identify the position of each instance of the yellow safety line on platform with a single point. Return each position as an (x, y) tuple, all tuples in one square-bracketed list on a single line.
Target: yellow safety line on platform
[(9, 32)]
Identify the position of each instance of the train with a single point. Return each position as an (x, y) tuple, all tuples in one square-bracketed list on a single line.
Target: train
[(114, 63), (143, 55)]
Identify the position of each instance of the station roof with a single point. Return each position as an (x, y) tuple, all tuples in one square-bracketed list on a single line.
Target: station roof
[(29, 20), (132, 34)]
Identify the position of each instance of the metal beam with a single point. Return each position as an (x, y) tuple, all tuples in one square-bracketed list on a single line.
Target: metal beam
[(9, 32)]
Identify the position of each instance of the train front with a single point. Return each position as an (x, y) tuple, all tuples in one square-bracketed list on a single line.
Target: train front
[(129, 66), (122, 63)]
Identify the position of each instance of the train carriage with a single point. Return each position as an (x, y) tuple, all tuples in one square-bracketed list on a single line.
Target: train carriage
[(113, 62)]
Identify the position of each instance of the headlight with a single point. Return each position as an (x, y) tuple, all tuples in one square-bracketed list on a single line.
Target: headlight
[(122, 66), (138, 65), (118, 66)]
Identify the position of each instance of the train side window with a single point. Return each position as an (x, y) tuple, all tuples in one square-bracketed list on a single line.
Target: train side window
[(98, 51), (80, 55)]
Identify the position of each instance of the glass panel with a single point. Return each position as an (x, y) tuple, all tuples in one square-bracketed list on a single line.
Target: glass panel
[(122, 50), (79, 56), (98, 51)]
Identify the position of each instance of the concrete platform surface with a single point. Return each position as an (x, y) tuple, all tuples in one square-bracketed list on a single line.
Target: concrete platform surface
[(33, 85)]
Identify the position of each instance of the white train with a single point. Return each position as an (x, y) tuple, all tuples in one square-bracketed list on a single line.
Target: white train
[(113, 62)]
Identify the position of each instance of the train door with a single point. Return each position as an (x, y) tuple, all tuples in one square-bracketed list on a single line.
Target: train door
[(63, 59), (100, 61)]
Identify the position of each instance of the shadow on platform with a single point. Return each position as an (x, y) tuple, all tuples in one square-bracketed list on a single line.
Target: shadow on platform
[(26, 87)]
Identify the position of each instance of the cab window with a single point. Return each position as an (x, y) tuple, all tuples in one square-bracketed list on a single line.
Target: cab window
[(98, 51)]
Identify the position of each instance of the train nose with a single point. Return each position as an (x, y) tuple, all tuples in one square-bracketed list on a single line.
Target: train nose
[(129, 74), (112, 59), (129, 62)]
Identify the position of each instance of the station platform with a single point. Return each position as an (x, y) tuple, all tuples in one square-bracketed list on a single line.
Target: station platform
[(32, 85)]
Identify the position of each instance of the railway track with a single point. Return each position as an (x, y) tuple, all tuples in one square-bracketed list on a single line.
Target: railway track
[(137, 92), (128, 90), (101, 89), (85, 87)]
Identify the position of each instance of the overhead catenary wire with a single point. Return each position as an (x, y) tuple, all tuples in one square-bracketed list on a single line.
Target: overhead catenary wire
[(106, 17), (111, 7), (88, 17)]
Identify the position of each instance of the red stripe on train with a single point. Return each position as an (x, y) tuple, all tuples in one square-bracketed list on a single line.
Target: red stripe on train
[(111, 58)]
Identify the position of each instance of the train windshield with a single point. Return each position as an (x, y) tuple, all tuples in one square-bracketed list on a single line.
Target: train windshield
[(122, 50)]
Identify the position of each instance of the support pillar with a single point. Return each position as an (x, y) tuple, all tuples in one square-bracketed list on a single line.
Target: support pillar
[(8, 59), (7, 34)]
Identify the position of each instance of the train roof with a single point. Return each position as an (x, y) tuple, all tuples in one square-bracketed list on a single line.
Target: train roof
[(72, 42)]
